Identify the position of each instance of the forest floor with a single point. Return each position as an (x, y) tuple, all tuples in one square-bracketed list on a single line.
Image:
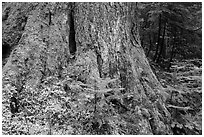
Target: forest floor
[(183, 84)]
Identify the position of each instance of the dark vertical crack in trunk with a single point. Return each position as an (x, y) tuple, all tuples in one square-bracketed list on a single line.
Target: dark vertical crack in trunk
[(72, 42)]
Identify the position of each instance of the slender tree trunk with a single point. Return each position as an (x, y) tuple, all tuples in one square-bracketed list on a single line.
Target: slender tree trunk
[(164, 48), (158, 39), (161, 45), (171, 57), (164, 42), (150, 45)]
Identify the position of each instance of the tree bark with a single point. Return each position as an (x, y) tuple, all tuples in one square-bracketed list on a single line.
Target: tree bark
[(111, 28), (107, 42)]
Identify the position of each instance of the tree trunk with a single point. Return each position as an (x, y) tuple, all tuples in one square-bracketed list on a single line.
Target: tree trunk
[(107, 41), (171, 57), (150, 45), (111, 28), (161, 45), (158, 39)]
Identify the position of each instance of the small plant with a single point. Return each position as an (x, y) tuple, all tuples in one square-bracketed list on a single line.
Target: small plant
[(100, 95)]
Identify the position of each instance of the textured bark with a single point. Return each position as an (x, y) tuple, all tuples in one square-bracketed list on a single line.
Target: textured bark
[(111, 29), (107, 43)]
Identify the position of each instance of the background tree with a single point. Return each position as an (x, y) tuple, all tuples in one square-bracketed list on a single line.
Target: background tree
[(171, 22)]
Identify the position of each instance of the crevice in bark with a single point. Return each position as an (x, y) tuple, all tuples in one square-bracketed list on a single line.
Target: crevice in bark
[(50, 17), (99, 62), (151, 123), (6, 15), (72, 42), (6, 50), (9, 44)]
